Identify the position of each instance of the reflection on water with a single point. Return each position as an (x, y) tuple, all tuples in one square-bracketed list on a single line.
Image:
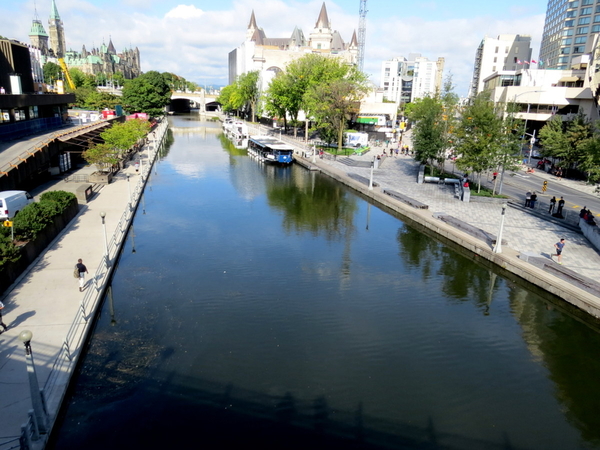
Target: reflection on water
[(270, 306)]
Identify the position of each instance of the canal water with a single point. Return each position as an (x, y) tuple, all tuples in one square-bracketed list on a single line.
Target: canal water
[(271, 307)]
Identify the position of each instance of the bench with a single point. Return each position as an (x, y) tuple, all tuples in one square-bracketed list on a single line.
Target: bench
[(404, 199), (361, 179), (469, 229)]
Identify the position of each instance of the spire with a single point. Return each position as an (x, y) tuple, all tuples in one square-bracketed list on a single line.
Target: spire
[(252, 24), (354, 41), (323, 20), (54, 12), (111, 47), (37, 29)]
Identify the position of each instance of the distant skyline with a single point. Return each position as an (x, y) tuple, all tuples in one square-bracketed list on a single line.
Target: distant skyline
[(194, 39)]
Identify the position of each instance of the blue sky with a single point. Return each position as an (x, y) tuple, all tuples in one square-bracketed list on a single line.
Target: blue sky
[(193, 38)]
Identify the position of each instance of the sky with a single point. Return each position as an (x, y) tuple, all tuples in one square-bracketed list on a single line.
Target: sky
[(193, 39)]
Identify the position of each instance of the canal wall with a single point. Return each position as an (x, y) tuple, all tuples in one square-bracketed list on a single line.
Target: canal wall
[(509, 260)]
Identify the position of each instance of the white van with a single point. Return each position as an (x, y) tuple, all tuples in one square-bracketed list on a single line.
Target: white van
[(11, 202)]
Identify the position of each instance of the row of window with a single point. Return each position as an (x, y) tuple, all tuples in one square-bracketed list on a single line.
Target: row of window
[(576, 49), (582, 21), (578, 40), (575, 3)]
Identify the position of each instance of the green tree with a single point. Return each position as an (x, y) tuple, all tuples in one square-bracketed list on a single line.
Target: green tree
[(81, 79), (247, 92), (333, 103), (52, 72), (480, 136), (147, 93), (276, 98), (429, 130), (227, 98)]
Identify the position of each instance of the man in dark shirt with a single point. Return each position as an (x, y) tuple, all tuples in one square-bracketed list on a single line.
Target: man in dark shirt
[(82, 271), (559, 248)]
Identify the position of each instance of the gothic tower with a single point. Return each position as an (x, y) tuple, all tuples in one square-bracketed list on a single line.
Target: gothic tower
[(38, 36), (57, 33), (322, 35)]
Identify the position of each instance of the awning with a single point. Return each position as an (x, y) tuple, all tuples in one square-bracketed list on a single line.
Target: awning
[(81, 136), (569, 79)]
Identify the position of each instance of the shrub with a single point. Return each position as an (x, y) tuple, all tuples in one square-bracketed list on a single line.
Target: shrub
[(63, 198), (8, 251), (33, 219)]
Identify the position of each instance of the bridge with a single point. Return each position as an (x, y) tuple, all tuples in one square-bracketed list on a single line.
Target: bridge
[(184, 101)]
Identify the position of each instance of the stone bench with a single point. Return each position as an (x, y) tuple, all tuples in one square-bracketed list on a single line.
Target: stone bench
[(469, 229), (361, 179), (404, 199)]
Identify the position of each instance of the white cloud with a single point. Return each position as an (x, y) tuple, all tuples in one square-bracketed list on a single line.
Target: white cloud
[(195, 42)]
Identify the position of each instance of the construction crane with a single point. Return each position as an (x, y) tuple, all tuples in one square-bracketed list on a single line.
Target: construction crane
[(362, 33), (63, 66)]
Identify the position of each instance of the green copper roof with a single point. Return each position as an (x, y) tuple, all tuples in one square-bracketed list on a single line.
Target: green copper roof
[(37, 29), (54, 12)]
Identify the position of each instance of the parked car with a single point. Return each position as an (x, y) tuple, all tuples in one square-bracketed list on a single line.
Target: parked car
[(11, 202)]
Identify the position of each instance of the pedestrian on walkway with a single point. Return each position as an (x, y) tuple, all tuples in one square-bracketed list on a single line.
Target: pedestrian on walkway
[(561, 204), (559, 248), (82, 271), (528, 199), (494, 175), (2, 324), (532, 200), (552, 205), (559, 174)]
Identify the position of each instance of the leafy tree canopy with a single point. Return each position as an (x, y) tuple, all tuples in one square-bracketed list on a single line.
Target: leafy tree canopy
[(147, 93)]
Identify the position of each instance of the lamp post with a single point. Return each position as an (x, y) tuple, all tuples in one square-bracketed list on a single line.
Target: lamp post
[(527, 117), (129, 189), (498, 246), (371, 177), (37, 399), (103, 215)]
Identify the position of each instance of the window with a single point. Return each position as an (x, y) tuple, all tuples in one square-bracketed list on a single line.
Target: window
[(563, 59), (496, 50), (581, 40), (567, 41), (597, 18), (515, 59), (495, 59), (582, 30), (494, 69), (585, 11), (573, 4), (579, 49), (517, 50), (506, 50), (598, 9), (569, 32), (587, 2), (584, 20), (570, 23), (571, 14), (596, 29), (565, 51)]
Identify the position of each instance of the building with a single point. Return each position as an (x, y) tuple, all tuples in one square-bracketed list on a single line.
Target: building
[(506, 52), (103, 60), (568, 31), (541, 94), (404, 80), (271, 55), (23, 108)]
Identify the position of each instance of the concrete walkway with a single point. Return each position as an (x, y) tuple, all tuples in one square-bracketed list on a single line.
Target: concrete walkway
[(46, 299)]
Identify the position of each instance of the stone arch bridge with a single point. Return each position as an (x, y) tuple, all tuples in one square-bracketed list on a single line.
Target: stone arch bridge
[(186, 101)]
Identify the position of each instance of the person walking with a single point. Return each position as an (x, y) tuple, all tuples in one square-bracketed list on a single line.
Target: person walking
[(2, 324), (82, 271), (532, 200), (561, 204), (552, 205), (559, 248), (528, 199)]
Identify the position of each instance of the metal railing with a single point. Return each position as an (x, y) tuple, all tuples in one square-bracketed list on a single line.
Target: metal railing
[(56, 384)]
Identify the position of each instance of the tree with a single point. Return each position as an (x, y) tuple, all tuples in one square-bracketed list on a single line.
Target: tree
[(81, 79), (276, 98), (333, 103), (52, 72), (481, 136), (227, 98), (429, 130), (102, 155), (147, 93), (247, 91)]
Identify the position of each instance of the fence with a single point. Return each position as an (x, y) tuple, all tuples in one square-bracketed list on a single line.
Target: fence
[(56, 385)]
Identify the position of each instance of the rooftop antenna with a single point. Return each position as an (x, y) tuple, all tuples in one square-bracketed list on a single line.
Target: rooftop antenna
[(362, 33)]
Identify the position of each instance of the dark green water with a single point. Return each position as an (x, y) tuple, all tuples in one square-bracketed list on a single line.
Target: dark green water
[(270, 307)]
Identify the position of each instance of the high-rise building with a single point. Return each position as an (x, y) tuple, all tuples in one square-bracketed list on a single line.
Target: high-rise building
[(57, 32), (568, 30), (506, 52), (406, 79)]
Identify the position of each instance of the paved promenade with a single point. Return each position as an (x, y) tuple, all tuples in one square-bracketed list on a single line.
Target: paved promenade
[(46, 299)]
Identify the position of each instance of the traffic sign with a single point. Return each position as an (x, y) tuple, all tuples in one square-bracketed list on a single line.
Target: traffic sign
[(7, 223)]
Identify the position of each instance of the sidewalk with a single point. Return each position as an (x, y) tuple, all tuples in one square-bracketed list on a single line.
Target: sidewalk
[(46, 299)]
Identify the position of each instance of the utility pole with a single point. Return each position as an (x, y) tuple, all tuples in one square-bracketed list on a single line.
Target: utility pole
[(362, 33)]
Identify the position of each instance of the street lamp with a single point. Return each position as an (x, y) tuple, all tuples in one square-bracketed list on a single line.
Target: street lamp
[(103, 215), (526, 119), (129, 189), (371, 177), (498, 246), (37, 399)]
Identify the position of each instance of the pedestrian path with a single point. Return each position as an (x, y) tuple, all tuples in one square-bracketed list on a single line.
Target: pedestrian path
[(46, 300)]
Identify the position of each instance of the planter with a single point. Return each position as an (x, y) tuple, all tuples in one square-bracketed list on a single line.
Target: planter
[(31, 250), (101, 177)]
